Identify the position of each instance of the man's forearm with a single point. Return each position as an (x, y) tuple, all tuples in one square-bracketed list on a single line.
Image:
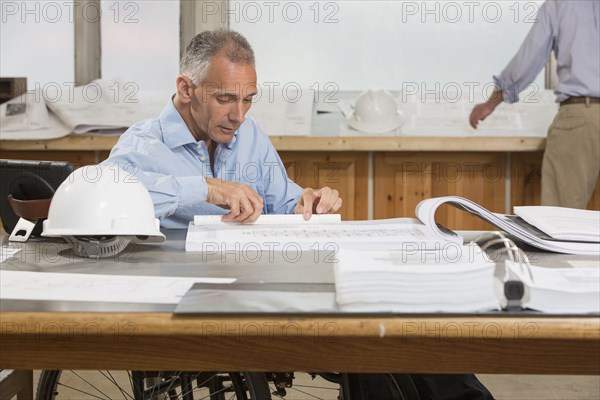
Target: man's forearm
[(495, 98)]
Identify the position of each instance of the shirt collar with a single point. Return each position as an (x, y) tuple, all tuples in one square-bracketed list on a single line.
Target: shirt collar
[(175, 131), (230, 144)]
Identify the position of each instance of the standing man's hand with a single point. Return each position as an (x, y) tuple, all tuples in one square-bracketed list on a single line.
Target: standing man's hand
[(483, 110), (243, 203), (318, 201)]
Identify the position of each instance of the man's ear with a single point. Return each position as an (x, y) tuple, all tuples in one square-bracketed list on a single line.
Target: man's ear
[(185, 88)]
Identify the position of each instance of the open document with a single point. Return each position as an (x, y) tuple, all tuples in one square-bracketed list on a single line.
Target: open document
[(292, 233), (518, 227), (107, 107), (98, 106), (563, 223)]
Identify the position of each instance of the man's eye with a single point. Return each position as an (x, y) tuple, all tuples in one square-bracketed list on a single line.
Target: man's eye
[(224, 99), (248, 100)]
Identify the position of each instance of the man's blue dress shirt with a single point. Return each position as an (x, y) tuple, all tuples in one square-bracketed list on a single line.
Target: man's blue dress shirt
[(571, 29), (163, 154)]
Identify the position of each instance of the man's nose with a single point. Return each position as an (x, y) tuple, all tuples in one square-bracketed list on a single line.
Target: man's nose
[(237, 112)]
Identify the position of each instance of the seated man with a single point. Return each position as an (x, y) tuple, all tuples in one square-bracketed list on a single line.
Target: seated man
[(202, 156)]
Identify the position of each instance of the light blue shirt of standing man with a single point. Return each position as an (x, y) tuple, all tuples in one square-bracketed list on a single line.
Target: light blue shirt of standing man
[(572, 29)]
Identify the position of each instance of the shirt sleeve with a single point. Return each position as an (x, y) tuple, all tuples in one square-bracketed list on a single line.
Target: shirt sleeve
[(280, 192), (175, 198), (530, 58)]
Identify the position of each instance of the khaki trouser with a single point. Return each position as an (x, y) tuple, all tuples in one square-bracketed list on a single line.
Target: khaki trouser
[(572, 157)]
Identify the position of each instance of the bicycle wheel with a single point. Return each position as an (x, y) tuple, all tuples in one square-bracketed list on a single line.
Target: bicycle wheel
[(334, 386), (296, 386), (151, 385)]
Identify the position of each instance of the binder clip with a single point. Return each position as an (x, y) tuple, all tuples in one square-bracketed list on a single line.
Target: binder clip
[(514, 292)]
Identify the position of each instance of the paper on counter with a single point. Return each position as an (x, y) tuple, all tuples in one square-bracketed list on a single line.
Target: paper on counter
[(346, 107), (240, 298), (25, 112), (26, 118), (271, 219), (49, 286)]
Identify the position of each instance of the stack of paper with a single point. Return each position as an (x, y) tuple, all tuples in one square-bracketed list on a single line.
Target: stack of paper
[(560, 290), (455, 279)]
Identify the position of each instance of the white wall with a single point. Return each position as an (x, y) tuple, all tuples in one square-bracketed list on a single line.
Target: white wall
[(140, 41), (383, 44), (36, 41)]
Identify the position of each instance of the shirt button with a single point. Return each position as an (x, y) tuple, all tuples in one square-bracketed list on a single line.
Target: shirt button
[(202, 158)]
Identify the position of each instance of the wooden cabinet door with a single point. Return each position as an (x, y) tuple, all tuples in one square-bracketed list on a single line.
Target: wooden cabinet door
[(402, 180), (346, 172), (526, 179)]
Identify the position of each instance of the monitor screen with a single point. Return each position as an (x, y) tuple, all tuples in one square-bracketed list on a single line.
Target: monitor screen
[(28, 180)]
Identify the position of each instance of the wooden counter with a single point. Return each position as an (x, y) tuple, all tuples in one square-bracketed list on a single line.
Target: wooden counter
[(377, 176), (436, 344), (313, 143)]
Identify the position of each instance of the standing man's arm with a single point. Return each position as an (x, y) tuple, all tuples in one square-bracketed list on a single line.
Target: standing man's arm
[(482, 110), (525, 65)]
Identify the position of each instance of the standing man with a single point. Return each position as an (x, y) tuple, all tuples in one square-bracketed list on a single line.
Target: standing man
[(572, 157), (202, 156)]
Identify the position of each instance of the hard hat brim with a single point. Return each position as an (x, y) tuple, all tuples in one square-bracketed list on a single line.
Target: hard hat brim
[(390, 126)]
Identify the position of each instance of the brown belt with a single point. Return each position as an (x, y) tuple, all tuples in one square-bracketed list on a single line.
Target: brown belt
[(580, 100)]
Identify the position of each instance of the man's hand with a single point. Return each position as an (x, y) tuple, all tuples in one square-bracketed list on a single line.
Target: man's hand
[(319, 201), (479, 113), (483, 110), (244, 204)]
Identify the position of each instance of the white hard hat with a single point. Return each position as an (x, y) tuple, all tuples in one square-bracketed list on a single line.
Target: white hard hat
[(100, 209), (376, 111)]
